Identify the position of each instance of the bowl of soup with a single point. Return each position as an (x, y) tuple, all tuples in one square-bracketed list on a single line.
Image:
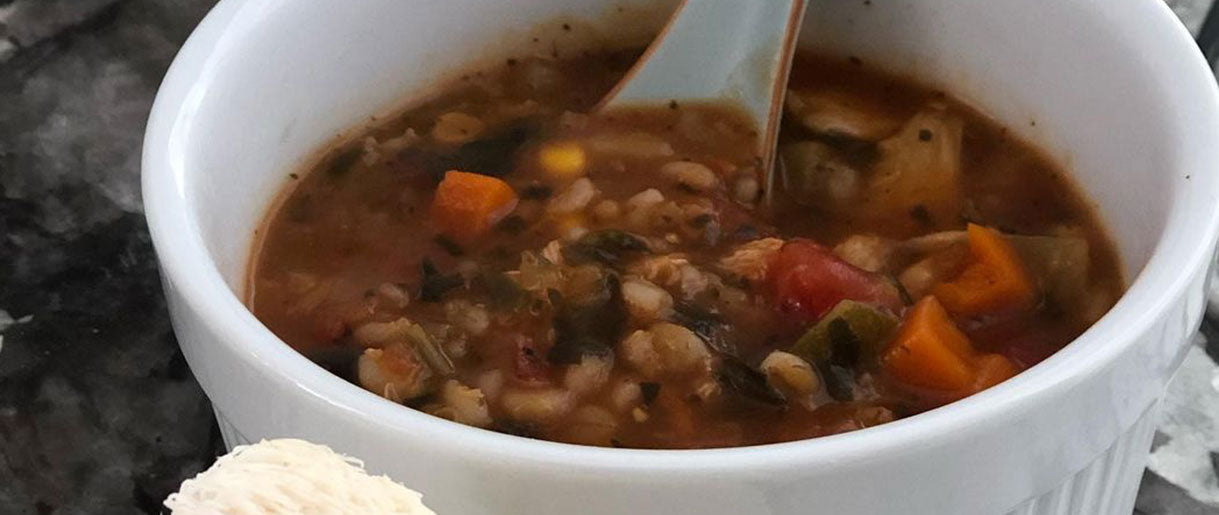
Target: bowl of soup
[(403, 229)]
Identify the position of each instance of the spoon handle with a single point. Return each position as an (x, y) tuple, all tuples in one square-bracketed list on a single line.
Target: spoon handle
[(739, 51)]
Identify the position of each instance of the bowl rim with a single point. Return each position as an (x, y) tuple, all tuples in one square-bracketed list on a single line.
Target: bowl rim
[(189, 267)]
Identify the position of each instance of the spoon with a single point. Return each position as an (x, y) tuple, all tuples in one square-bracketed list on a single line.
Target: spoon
[(721, 51)]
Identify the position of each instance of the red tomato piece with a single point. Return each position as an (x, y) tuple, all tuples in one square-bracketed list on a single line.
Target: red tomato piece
[(807, 280), (531, 365)]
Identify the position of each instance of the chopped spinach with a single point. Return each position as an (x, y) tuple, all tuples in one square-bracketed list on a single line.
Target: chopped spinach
[(708, 325), (748, 384), (505, 293), (844, 345), (839, 382), (493, 154), (608, 246), (588, 326), (434, 284)]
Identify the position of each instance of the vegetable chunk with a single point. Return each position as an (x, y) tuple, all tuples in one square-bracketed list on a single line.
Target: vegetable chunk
[(850, 323), (918, 177), (994, 281), (509, 256), (807, 280), (931, 352), (468, 205)]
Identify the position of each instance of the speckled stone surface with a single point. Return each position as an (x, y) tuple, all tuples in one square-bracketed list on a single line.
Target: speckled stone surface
[(98, 411)]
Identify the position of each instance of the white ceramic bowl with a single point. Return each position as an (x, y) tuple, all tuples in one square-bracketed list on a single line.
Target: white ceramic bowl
[(1114, 89)]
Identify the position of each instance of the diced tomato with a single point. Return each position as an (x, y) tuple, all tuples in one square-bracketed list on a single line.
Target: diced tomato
[(807, 280), (531, 365), (1028, 350), (1024, 339)]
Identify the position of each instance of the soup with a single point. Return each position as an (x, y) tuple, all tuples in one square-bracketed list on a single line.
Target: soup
[(500, 257)]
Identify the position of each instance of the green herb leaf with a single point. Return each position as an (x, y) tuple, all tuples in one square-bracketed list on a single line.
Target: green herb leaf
[(435, 285), (608, 246)]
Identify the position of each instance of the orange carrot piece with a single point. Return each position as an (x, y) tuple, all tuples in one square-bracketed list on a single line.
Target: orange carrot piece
[(468, 205), (992, 370), (994, 281), (929, 351)]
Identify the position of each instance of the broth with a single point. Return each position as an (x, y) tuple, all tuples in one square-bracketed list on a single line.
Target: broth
[(498, 257)]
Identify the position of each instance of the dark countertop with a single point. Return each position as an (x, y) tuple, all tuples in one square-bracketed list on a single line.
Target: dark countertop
[(98, 410)]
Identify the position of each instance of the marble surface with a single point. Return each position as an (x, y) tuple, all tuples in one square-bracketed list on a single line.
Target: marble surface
[(98, 411)]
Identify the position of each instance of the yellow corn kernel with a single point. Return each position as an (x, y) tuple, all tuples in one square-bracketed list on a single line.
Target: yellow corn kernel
[(639, 415), (571, 227), (563, 160)]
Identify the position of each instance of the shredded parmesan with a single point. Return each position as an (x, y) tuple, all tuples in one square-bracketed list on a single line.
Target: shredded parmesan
[(291, 476)]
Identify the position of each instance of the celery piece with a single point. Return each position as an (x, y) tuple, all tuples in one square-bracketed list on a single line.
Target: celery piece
[(849, 324)]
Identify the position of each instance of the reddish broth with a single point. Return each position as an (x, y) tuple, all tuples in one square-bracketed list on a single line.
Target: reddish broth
[(651, 319)]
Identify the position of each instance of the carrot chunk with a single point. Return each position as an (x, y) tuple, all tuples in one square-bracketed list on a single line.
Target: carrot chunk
[(929, 351), (993, 281), (992, 370), (468, 205)]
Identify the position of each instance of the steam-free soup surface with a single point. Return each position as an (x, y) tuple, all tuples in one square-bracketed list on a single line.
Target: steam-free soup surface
[(499, 257)]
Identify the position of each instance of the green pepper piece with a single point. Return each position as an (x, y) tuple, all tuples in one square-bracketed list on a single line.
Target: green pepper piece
[(870, 328)]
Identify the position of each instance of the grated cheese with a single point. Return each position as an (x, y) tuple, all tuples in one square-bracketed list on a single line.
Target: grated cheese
[(291, 476)]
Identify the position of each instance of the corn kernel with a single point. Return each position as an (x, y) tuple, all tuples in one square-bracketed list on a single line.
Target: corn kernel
[(639, 415), (571, 227), (563, 160)]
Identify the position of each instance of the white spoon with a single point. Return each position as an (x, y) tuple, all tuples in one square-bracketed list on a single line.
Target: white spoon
[(734, 51)]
